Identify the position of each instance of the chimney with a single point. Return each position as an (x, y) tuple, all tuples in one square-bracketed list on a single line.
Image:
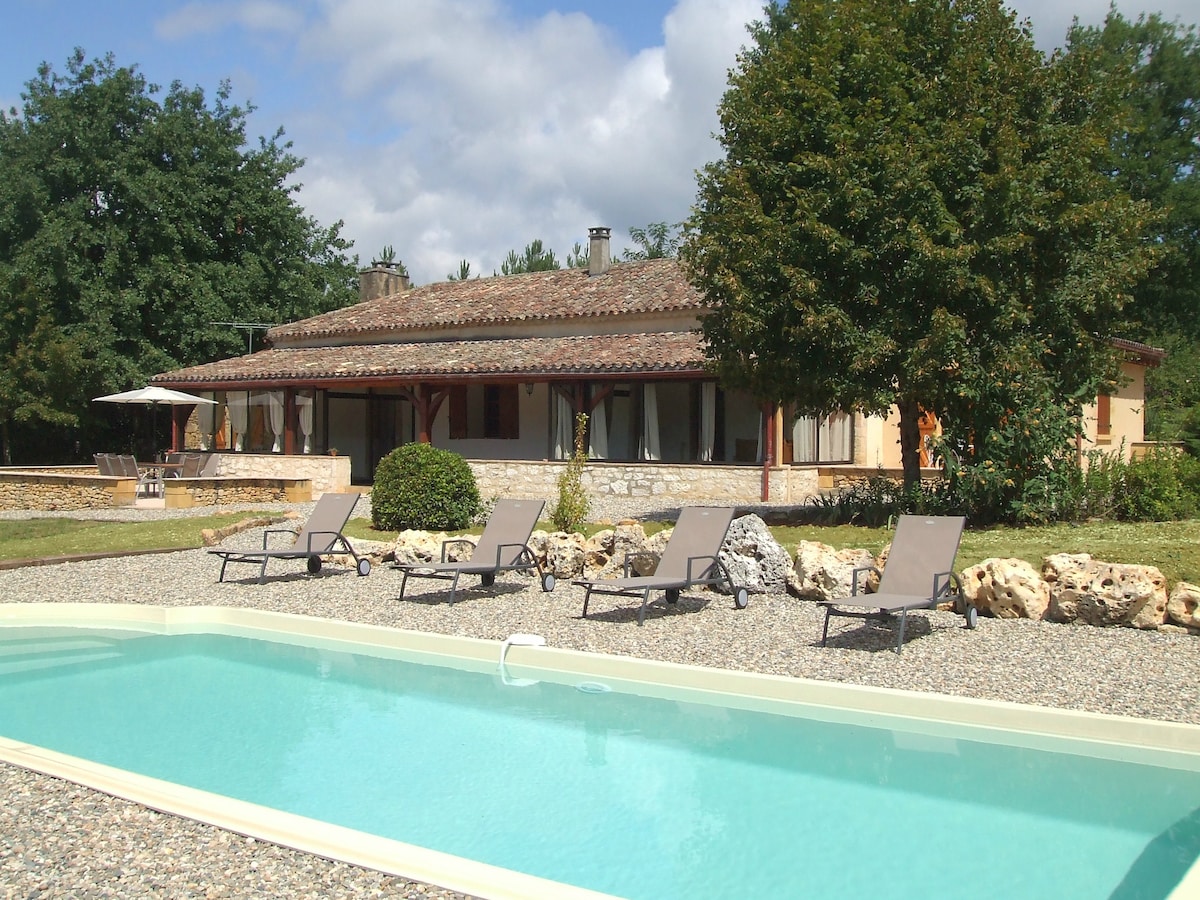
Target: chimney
[(382, 280), (599, 258)]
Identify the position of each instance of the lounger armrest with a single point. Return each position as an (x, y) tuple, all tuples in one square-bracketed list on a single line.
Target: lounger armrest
[(336, 535), (270, 531), (524, 548), (446, 544), (712, 561), (855, 575), (630, 557), (946, 583)]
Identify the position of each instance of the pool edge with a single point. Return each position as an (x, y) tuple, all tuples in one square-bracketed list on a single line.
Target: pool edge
[(1170, 740)]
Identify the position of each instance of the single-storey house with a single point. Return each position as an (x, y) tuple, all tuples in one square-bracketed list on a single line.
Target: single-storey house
[(497, 369)]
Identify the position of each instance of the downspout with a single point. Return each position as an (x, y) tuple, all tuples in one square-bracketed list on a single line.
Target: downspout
[(768, 451)]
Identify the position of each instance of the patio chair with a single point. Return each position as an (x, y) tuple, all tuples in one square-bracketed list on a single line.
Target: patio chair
[(691, 558), (919, 574), (106, 464), (320, 536), (503, 547), (192, 465), (149, 483)]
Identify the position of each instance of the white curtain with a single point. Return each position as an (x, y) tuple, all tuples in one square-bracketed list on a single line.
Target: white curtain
[(304, 407), (758, 451), (564, 428), (650, 445), (275, 405), (239, 418), (835, 438), (599, 437), (205, 414), (804, 440), (708, 419)]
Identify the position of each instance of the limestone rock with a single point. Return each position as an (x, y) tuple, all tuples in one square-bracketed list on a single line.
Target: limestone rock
[(563, 554), (414, 547), (605, 553), (1183, 606), (1007, 588), (754, 558), (1102, 593), (822, 573)]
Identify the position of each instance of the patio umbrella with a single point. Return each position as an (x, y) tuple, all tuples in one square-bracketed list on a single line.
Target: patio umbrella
[(154, 397)]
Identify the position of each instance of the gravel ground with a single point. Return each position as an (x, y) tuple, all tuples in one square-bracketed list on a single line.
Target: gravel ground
[(61, 840)]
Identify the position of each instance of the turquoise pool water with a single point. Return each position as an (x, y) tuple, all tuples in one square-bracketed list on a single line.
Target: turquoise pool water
[(634, 796)]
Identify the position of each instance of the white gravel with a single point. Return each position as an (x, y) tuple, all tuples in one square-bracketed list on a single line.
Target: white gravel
[(60, 840)]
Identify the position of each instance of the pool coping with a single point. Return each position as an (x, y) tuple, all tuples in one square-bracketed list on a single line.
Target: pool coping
[(1117, 737)]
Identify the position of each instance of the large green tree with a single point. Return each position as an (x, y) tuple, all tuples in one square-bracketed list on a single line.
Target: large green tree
[(911, 210), (1156, 155), (130, 222)]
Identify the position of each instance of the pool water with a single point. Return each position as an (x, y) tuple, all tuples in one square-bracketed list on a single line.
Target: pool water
[(629, 795)]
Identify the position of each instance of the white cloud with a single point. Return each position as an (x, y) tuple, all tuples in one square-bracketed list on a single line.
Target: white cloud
[(1052, 18), (502, 133), (207, 18)]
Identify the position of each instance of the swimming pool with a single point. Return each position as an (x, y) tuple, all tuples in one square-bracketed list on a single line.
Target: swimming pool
[(698, 783)]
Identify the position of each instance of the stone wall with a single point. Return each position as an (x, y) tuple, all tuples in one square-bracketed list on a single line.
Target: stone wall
[(327, 473), (674, 483), (64, 487)]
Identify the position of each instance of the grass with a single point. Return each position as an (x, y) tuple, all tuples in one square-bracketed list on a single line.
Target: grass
[(39, 538), (1174, 547)]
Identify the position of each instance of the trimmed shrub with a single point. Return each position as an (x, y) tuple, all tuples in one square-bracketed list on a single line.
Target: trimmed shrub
[(420, 486)]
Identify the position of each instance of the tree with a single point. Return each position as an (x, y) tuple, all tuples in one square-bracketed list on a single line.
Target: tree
[(535, 259), (910, 211), (130, 223), (658, 240), (579, 257), (464, 272), (1156, 157)]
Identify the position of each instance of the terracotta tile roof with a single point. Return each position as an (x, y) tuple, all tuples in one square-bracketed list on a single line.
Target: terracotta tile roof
[(648, 286), (1143, 352), (664, 353)]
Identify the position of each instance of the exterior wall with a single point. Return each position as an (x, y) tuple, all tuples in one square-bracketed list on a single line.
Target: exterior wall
[(533, 431), (673, 483), (1127, 415), (327, 473), (63, 488)]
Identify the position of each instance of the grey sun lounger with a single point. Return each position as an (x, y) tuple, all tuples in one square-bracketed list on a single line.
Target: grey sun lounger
[(919, 574), (321, 535), (691, 558), (503, 547)]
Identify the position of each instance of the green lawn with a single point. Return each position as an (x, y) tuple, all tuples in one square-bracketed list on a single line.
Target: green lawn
[(1174, 547), (37, 538)]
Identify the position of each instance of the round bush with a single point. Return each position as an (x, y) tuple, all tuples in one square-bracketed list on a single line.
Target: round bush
[(419, 486)]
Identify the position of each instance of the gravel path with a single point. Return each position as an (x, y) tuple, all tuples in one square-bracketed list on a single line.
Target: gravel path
[(60, 840)]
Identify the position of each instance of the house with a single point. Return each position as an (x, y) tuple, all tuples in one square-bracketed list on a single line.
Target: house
[(497, 369)]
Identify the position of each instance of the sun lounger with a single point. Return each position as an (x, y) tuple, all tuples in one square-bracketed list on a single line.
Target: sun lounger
[(503, 547), (919, 574), (691, 558), (320, 536)]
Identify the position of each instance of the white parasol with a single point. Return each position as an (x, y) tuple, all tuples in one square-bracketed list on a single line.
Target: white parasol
[(154, 397)]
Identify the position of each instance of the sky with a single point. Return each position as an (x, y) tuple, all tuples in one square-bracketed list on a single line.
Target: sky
[(457, 129)]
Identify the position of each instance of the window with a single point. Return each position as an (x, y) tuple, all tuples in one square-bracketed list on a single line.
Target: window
[(1104, 416), (489, 411)]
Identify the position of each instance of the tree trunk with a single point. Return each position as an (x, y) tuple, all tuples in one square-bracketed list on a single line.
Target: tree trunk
[(910, 441)]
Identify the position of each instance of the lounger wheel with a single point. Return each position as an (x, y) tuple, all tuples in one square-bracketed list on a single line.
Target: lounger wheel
[(548, 582), (741, 598), (972, 616), (314, 565), (487, 579), (672, 595), (364, 567)]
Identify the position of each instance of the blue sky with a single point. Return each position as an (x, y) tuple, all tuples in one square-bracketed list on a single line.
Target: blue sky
[(455, 129)]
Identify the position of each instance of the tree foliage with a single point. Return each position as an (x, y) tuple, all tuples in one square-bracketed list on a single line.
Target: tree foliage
[(130, 222), (1156, 156), (911, 211), (535, 258), (658, 240)]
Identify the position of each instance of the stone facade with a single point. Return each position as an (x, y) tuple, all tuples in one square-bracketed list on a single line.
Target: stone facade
[(676, 484), (327, 473)]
